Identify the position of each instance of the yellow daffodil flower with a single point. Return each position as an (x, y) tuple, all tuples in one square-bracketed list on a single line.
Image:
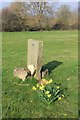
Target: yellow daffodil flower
[(44, 80), (49, 95), (33, 88), (41, 87), (65, 114), (58, 87), (47, 92), (50, 81), (37, 85), (47, 82), (62, 95), (59, 98)]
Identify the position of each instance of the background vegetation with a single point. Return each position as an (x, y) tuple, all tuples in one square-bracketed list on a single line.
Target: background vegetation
[(36, 16)]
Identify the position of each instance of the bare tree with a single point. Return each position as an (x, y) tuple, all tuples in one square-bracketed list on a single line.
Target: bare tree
[(40, 11), (63, 14)]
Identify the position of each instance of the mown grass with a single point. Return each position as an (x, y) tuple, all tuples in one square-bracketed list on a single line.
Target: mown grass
[(21, 101)]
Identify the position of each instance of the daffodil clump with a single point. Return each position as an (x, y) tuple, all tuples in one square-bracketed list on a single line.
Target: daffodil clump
[(49, 91)]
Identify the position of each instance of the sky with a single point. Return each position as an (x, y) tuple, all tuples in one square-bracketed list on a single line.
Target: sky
[(5, 3)]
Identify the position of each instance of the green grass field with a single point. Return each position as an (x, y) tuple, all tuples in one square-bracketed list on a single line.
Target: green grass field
[(21, 101)]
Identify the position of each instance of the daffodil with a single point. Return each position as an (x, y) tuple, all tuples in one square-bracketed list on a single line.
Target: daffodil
[(50, 81), (49, 95), (65, 114), (59, 98), (44, 80), (37, 85), (47, 92), (41, 87), (47, 82), (58, 87), (33, 88), (62, 95)]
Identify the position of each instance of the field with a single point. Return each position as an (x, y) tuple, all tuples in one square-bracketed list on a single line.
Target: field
[(21, 101)]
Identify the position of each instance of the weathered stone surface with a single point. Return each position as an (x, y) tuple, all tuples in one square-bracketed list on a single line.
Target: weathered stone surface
[(21, 73), (35, 48)]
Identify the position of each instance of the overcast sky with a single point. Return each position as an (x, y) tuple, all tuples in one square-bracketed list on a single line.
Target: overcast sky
[(4, 3)]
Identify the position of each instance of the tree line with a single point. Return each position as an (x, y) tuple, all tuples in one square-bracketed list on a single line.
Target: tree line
[(35, 16)]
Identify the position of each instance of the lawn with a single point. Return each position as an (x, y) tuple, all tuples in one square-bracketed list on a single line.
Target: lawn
[(22, 101)]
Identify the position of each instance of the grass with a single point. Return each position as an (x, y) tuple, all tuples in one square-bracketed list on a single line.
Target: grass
[(22, 102)]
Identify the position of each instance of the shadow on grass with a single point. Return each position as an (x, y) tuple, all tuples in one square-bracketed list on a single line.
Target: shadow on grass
[(51, 66)]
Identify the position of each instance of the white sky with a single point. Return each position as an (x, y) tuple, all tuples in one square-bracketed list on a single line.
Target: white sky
[(42, 0), (4, 3)]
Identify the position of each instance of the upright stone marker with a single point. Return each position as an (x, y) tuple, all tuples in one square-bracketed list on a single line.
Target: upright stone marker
[(35, 55)]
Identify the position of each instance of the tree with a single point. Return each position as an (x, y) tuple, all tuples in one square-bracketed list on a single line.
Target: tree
[(19, 9), (39, 11), (63, 15), (10, 22)]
